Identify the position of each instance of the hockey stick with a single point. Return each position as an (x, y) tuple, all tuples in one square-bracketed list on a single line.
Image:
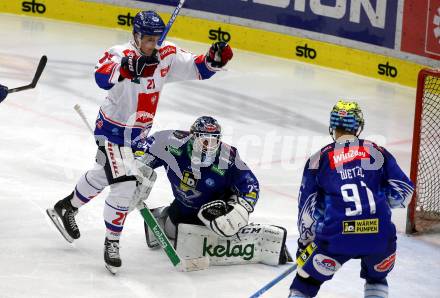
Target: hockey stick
[(37, 75), (176, 260), (150, 220), (170, 22), (274, 281), (81, 114)]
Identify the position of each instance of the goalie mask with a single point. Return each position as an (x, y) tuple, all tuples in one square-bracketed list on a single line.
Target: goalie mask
[(205, 137), (347, 116)]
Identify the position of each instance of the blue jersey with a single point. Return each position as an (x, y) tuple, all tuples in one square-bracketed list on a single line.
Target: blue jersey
[(346, 196), (193, 184)]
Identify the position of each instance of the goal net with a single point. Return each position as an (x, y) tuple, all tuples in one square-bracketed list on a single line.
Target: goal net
[(424, 210)]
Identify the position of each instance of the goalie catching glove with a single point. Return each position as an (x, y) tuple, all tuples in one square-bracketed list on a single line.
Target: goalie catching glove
[(226, 219)]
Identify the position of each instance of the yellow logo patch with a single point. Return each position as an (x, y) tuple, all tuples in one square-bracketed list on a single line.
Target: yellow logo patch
[(361, 226), (188, 182)]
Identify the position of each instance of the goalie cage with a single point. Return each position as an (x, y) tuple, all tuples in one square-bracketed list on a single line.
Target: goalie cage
[(424, 210)]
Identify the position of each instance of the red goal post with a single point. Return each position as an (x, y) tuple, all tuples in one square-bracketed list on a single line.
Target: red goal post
[(424, 209)]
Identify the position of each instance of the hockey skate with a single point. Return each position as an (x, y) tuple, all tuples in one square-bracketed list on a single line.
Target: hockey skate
[(297, 294), (111, 255), (63, 217), (378, 289)]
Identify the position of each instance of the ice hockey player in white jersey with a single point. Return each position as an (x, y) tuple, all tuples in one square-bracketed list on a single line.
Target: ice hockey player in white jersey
[(134, 75)]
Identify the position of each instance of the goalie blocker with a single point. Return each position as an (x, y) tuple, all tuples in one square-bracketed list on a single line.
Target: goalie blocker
[(254, 243)]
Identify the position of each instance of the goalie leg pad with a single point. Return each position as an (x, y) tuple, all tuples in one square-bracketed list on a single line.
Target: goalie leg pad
[(161, 215), (254, 243)]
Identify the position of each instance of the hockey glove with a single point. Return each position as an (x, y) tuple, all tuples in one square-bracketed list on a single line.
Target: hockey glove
[(225, 219), (219, 54), (301, 248), (3, 92), (138, 66)]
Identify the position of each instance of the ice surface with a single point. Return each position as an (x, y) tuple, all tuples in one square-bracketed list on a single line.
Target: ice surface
[(274, 110)]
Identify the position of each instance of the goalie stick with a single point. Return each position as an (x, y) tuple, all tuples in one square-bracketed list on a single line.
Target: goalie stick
[(274, 281), (37, 75), (176, 260)]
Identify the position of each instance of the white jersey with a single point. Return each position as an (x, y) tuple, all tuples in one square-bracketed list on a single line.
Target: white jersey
[(130, 106)]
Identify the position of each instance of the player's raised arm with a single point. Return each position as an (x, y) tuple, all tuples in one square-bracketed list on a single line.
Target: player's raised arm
[(187, 66)]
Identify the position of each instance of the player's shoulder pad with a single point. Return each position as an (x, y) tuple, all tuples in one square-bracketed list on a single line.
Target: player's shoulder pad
[(374, 145), (228, 153), (177, 140), (120, 50), (315, 159), (167, 49), (169, 135), (327, 148), (180, 134)]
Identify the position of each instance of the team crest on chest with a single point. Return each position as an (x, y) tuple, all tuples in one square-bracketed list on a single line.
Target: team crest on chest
[(187, 189), (188, 181)]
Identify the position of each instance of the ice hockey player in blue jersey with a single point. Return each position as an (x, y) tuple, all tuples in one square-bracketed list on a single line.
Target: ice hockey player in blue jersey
[(347, 192), (206, 174), (214, 193), (3, 92)]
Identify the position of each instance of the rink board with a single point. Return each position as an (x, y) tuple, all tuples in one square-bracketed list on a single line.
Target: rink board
[(271, 43)]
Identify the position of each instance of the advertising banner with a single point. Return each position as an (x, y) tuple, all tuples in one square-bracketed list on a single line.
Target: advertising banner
[(421, 28), (340, 56), (369, 21)]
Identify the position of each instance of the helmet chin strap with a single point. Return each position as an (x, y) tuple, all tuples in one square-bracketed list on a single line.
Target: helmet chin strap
[(331, 131), (359, 131), (137, 42)]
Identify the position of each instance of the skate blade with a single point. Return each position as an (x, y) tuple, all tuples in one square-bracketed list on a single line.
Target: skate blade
[(113, 270), (55, 219)]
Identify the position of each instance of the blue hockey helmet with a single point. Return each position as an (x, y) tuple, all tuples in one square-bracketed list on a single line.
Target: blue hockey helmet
[(347, 116), (206, 134), (148, 23)]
